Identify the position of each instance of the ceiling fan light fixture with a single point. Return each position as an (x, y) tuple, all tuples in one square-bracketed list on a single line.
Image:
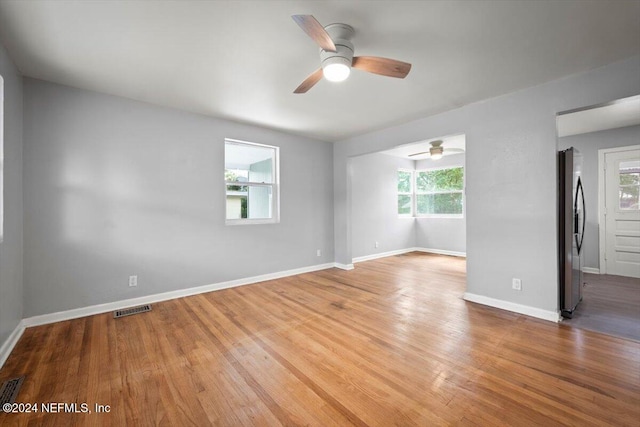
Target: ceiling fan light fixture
[(436, 153), (336, 69)]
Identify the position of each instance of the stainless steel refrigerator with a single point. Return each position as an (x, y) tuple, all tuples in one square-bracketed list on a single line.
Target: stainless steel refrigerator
[(571, 230)]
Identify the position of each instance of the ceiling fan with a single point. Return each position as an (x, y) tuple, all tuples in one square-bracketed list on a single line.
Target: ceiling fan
[(437, 150), (336, 55)]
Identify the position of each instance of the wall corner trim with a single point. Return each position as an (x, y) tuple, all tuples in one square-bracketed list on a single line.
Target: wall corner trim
[(343, 266), (164, 296), (552, 316), (10, 343)]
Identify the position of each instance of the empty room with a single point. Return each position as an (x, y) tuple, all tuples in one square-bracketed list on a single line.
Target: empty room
[(323, 213)]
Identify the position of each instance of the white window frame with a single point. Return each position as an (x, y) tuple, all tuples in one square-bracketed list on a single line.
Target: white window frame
[(275, 186), (411, 193), (417, 193)]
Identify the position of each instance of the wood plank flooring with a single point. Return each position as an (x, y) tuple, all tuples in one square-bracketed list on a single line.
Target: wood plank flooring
[(389, 343), (610, 304)]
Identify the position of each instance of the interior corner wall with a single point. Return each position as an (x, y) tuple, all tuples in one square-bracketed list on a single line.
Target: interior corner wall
[(374, 209), (511, 166), (11, 284), (445, 234), (115, 187), (588, 144)]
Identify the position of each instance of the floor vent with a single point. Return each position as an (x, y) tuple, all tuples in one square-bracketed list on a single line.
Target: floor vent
[(131, 310), (9, 391)]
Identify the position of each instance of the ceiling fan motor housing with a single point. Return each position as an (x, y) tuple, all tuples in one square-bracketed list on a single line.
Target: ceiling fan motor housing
[(436, 149), (341, 35)]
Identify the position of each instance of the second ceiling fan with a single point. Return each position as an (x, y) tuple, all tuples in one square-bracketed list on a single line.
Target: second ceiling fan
[(336, 55), (436, 151)]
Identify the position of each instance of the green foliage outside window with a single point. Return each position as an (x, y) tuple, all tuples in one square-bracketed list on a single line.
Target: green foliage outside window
[(404, 204), (632, 178), (629, 190), (440, 180), (439, 191), (230, 176), (436, 192), (404, 182), (243, 207), (439, 204), (405, 201)]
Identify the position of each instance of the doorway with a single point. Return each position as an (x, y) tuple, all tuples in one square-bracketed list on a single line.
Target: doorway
[(619, 171), (607, 135), (409, 198)]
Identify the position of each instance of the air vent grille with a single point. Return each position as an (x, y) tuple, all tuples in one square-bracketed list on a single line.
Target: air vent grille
[(9, 391), (131, 310)]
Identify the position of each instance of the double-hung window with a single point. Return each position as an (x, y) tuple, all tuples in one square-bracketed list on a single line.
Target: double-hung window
[(440, 192), (251, 175)]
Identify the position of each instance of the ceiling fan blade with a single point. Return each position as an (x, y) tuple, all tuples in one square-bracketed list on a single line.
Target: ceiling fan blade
[(419, 154), (453, 150), (309, 82), (383, 66), (316, 31)]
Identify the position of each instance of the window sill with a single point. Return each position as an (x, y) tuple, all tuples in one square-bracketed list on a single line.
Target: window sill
[(441, 216), (251, 221)]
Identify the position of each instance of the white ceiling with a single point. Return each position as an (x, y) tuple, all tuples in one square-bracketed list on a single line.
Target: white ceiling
[(405, 151), (241, 60), (617, 114)]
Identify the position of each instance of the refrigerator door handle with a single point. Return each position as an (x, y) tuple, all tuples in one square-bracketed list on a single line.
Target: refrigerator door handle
[(579, 234)]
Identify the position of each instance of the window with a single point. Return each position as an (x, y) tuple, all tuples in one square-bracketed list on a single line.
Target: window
[(439, 192), (405, 193), (251, 183), (431, 193), (629, 188)]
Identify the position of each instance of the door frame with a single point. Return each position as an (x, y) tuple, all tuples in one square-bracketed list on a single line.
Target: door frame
[(602, 224)]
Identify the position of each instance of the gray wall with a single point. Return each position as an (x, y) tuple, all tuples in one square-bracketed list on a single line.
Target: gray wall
[(114, 187), (375, 210), (449, 234), (11, 245), (588, 144), (511, 178)]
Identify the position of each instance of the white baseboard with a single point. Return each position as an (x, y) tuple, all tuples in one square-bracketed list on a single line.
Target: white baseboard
[(591, 270), (383, 255), (441, 252), (117, 305), (407, 250), (552, 316), (343, 266), (10, 343)]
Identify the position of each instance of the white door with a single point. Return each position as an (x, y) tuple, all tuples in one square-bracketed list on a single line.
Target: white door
[(622, 213)]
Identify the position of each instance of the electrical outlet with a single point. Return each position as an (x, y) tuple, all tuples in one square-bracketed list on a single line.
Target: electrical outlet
[(318, 252), (377, 244), (516, 284), (133, 281)]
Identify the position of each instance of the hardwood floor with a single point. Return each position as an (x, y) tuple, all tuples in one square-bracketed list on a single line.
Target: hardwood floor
[(389, 343), (610, 304)]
